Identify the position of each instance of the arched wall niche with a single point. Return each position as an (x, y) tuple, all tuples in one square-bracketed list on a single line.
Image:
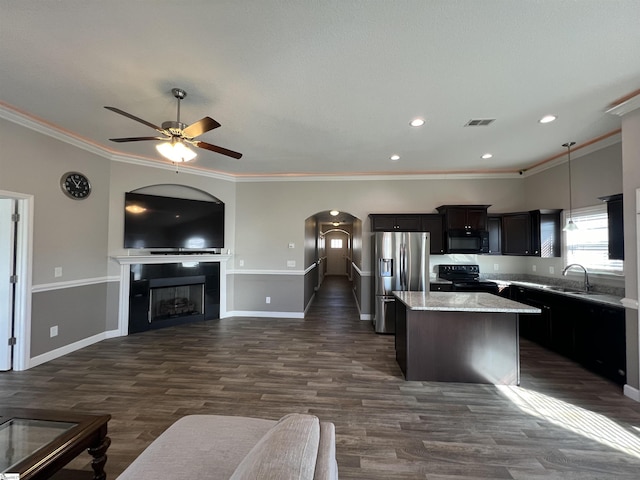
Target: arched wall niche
[(177, 191)]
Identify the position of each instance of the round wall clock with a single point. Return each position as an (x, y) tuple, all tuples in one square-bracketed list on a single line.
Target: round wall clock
[(75, 185)]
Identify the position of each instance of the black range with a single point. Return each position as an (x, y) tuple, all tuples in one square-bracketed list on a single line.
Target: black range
[(465, 278)]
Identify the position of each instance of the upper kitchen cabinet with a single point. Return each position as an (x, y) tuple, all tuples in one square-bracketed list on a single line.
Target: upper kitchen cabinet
[(494, 225), (433, 223), (615, 226), (534, 233), (464, 217), (389, 222)]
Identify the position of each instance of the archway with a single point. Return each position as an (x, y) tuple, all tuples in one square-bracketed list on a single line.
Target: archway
[(345, 258)]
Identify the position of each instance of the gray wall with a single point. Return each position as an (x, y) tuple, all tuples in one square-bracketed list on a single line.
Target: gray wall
[(631, 182), (593, 175), (67, 233)]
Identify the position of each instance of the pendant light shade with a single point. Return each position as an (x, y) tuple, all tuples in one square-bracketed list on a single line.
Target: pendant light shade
[(570, 226)]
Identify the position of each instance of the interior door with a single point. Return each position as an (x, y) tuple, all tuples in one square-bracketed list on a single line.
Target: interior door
[(336, 253), (7, 237)]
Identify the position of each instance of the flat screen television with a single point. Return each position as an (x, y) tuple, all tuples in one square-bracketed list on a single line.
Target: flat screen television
[(151, 221)]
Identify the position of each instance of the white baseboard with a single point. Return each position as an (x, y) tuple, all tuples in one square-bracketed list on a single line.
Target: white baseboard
[(247, 313), (72, 347), (631, 392)]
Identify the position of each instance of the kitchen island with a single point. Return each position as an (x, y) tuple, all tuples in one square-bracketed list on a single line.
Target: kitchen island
[(463, 337)]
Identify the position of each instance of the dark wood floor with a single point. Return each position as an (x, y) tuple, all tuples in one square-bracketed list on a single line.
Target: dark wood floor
[(562, 423)]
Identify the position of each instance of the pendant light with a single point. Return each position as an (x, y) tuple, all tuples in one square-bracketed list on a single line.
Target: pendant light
[(570, 226)]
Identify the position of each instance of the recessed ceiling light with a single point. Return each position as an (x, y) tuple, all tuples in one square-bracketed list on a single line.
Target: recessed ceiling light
[(417, 122), (487, 156), (395, 157), (547, 119), (334, 213)]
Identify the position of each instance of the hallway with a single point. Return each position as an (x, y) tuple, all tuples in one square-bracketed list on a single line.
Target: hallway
[(334, 300)]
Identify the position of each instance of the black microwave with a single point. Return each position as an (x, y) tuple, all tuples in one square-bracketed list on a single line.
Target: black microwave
[(467, 241)]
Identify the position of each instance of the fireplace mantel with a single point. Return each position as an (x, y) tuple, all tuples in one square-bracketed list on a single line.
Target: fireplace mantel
[(170, 258), (126, 261)]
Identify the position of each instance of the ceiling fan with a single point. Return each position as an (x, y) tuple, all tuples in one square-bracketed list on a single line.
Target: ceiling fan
[(177, 135)]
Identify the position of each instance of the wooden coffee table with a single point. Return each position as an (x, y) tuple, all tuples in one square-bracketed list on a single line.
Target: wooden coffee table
[(38, 443)]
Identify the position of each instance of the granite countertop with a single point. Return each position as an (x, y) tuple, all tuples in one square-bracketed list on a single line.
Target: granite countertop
[(462, 302), (602, 298)]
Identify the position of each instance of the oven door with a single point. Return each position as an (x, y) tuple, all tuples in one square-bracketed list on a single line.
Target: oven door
[(490, 287)]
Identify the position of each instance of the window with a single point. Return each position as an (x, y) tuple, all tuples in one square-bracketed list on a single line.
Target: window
[(589, 244), (336, 243)]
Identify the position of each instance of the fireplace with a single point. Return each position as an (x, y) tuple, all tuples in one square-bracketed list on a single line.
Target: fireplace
[(183, 297), (163, 295)]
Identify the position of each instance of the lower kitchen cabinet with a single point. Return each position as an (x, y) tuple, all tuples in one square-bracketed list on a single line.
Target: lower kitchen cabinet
[(601, 342), (536, 328), (587, 332)]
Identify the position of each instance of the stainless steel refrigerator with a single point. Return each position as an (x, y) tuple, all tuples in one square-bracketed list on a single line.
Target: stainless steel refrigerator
[(401, 262)]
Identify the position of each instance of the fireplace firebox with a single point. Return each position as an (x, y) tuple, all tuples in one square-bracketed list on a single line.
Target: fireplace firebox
[(184, 297), (173, 294)]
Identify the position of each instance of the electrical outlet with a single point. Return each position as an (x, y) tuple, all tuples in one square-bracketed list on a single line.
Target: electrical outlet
[(241, 263), (292, 245), (496, 267), (267, 300), (534, 268), (552, 270), (57, 272), (291, 263), (53, 331)]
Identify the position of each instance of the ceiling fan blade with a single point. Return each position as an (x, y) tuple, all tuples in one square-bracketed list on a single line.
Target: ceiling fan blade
[(200, 127), (133, 117), (215, 148), (136, 139)]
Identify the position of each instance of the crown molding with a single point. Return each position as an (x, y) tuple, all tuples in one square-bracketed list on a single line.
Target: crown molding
[(38, 125), (624, 105)]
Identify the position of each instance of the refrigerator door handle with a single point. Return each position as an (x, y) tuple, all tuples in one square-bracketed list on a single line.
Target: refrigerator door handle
[(403, 267), (424, 264)]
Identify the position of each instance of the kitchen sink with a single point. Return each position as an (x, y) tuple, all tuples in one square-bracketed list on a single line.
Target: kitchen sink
[(562, 289)]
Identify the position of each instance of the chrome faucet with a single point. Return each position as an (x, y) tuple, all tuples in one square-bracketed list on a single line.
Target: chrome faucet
[(587, 285)]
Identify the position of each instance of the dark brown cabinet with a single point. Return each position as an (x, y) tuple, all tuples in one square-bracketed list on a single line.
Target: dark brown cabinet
[(533, 233), (396, 222), (615, 225), (464, 217), (494, 225), (516, 234), (408, 222), (434, 223)]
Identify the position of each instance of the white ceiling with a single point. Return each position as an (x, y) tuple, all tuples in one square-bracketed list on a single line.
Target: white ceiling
[(327, 87)]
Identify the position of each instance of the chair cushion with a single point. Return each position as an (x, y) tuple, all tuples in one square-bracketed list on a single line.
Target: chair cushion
[(288, 451), (326, 464), (199, 446)]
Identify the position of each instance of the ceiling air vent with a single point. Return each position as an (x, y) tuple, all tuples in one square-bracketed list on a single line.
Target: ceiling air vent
[(481, 122)]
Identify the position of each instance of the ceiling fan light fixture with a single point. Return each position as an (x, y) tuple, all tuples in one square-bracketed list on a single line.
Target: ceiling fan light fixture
[(176, 151)]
